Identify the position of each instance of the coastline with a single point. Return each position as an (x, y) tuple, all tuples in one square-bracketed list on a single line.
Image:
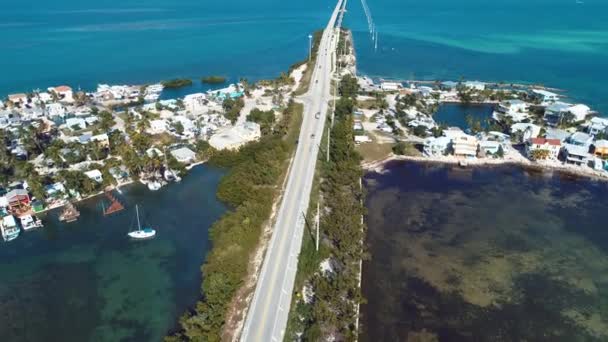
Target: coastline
[(380, 165)]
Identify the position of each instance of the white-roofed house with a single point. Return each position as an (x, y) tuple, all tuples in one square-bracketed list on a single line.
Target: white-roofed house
[(555, 112), (465, 146), (436, 146), (195, 103), (517, 110), (577, 155), (95, 175), (390, 86), (75, 124), (476, 85), (597, 125), (184, 155), (580, 139), (544, 95), (527, 130), (579, 112), (157, 126)]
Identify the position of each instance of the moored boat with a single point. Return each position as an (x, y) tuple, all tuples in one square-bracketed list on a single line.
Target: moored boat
[(9, 228), (141, 233), (30, 222), (69, 213)]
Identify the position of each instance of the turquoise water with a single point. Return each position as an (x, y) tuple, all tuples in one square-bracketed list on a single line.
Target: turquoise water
[(87, 281), (82, 43), (558, 43)]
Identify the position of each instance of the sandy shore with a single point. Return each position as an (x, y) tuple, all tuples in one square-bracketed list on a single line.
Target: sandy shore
[(572, 170)]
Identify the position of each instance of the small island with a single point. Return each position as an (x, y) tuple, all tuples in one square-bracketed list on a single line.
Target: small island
[(177, 83), (213, 80)]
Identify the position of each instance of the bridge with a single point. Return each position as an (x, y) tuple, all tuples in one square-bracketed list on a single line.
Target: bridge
[(269, 310)]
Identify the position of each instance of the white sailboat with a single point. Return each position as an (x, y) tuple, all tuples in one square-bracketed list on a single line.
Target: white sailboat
[(140, 233)]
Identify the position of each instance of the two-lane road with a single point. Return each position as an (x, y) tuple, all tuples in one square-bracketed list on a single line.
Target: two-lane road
[(267, 316)]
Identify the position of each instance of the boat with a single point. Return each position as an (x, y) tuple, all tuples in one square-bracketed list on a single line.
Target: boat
[(154, 185), (140, 234), (171, 176), (30, 222), (9, 228), (69, 213)]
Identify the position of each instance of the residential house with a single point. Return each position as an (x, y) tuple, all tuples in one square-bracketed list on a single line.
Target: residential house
[(579, 112), (19, 99), (575, 154), (488, 147), (556, 133), (18, 201), (453, 132), (436, 146), (55, 190), (544, 95), (91, 120), (465, 146), (552, 146), (600, 148), (517, 110), (157, 126), (475, 85), (390, 86), (555, 112), (357, 126), (448, 85), (195, 103), (580, 139), (526, 130), (64, 92), (184, 155), (95, 175), (55, 110), (75, 124), (235, 137), (597, 125), (101, 139)]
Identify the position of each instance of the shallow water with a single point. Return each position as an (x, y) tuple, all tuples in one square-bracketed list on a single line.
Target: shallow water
[(486, 254), (86, 281)]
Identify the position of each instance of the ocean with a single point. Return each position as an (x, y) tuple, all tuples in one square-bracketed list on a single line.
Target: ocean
[(484, 254), (87, 281), (558, 43)]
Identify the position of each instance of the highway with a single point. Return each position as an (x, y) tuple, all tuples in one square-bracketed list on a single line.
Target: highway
[(268, 313)]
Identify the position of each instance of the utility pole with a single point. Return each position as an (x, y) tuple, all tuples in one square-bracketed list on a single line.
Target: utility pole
[(309, 47), (318, 221)]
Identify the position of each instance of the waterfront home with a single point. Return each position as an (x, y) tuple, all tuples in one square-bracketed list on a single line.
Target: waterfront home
[(465, 146), (448, 85), (184, 155), (390, 86), (475, 85), (517, 110), (422, 120), (63, 92), (55, 190), (119, 173), (526, 130), (575, 154), (544, 95), (95, 175), (44, 97), (75, 124), (600, 148), (18, 201), (580, 139), (195, 103), (552, 146), (153, 152), (55, 109), (453, 132), (555, 112), (436, 146), (597, 125), (488, 147), (579, 112), (17, 99), (556, 133)]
